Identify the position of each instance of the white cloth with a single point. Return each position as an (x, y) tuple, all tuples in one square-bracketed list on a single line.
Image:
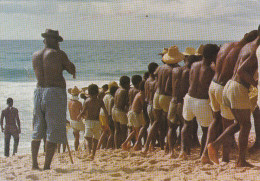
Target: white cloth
[(107, 101)]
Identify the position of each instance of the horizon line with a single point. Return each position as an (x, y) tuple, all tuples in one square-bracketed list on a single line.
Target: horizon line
[(112, 40)]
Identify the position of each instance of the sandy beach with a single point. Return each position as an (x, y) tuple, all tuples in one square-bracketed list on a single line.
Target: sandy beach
[(127, 165)]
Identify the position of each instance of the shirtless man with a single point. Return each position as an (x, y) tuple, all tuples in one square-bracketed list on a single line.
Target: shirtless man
[(75, 107), (12, 126), (162, 96), (150, 88), (235, 96), (91, 109), (120, 109), (50, 97), (225, 63), (180, 86), (196, 101)]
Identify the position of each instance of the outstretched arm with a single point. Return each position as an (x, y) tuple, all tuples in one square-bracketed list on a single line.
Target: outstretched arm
[(68, 65), (2, 121)]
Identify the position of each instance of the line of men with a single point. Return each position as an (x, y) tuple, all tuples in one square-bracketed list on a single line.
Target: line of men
[(212, 88)]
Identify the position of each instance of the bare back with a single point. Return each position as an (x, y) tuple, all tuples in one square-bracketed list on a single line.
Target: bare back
[(164, 75), (248, 53), (138, 102), (150, 88), (48, 65), (11, 115), (200, 79), (121, 99), (225, 63), (132, 93), (75, 107), (176, 78), (92, 107)]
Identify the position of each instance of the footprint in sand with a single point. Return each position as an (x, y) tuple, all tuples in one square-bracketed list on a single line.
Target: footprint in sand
[(115, 175), (153, 161), (32, 176)]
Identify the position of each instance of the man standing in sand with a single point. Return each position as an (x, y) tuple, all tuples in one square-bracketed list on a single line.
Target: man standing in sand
[(75, 107), (162, 96), (196, 101), (11, 122), (236, 97), (50, 97), (225, 63)]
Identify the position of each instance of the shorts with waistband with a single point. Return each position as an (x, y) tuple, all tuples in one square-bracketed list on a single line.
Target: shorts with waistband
[(161, 102), (119, 116), (136, 119), (92, 129), (175, 113), (199, 108), (49, 114), (215, 97), (77, 125)]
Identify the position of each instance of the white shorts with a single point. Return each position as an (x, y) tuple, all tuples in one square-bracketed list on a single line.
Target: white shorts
[(198, 108)]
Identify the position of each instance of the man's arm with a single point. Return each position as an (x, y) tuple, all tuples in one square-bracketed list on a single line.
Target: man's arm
[(68, 65), (2, 121), (249, 65), (18, 121)]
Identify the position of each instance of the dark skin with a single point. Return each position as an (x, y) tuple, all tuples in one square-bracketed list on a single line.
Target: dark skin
[(244, 71), (225, 64), (164, 87), (48, 65), (121, 102), (91, 109), (200, 77), (75, 107)]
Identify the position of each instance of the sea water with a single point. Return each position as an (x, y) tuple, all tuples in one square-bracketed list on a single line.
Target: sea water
[(96, 62)]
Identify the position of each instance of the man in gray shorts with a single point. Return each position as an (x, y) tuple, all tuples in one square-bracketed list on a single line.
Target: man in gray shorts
[(50, 97)]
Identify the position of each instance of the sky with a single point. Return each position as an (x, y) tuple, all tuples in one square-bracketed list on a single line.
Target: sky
[(129, 19)]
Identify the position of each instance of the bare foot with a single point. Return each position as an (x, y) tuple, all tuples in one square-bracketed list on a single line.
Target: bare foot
[(243, 164), (212, 152), (137, 147), (35, 167), (91, 157), (205, 160), (124, 146), (145, 150), (183, 156)]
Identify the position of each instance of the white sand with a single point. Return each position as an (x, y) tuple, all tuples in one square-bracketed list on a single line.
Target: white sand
[(127, 165)]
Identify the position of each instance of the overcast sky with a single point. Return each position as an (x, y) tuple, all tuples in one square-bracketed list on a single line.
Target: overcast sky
[(129, 19)]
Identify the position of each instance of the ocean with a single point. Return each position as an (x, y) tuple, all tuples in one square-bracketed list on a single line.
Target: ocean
[(96, 61)]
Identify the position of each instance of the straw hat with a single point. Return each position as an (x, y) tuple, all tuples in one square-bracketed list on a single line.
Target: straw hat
[(199, 50), (75, 91), (165, 50), (189, 51), (53, 34), (173, 56), (111, 84)]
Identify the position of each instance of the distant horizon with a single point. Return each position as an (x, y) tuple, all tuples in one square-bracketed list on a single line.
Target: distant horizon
[(110, 40)]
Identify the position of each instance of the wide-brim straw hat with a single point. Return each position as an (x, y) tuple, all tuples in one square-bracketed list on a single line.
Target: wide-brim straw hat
[(173, 56), (111, 84), (165, 50), (74, 91), (189, 51), (199, 50), (52, 34)]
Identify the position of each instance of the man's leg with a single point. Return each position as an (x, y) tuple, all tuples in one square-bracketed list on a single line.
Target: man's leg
[(154, 129), (185, 139), (227, 143), (212, 135), (50, 150), (89, 141), (172, 137), (94, 148), (76, 142), (194, 137), (123, 128), (7, 144), (35, 145), (243, 117), (203, 138), (256, 115), (116, 135), (16, 143)]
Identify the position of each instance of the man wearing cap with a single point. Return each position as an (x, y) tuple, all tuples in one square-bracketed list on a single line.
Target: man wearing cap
[(162, 96), (50, 97), (225, 63), (75, 107), (236, 97), (196, 101)]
